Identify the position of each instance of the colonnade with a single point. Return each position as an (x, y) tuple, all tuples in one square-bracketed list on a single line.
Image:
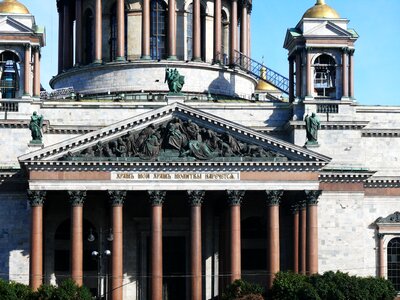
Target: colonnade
[(305, 237), (70, 11), (31, 56)]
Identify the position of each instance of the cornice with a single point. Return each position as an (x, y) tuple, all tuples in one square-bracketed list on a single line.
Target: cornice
[(332, 125), (345, 175), (380, 133)]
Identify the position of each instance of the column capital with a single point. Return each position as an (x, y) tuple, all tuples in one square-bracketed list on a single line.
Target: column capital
[(274, 197), (36, 198), (235, 197), (77, 198), (312, 197), (117, 198), (196, 197), (380, 236), (295, 207), (36, 48), (157, 197), (27, 46)]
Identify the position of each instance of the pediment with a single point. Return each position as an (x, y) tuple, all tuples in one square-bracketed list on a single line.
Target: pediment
[(8, 24), (174, 133), (327, 29)]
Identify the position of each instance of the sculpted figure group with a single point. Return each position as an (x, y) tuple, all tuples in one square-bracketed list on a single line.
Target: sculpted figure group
[(175, 139)]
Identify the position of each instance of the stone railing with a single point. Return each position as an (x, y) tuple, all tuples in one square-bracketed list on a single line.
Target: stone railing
[(8, 105), (58, 94), (327, 108)]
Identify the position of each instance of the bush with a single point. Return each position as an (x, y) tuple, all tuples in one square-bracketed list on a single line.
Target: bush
[(330, 286), (243, 290)]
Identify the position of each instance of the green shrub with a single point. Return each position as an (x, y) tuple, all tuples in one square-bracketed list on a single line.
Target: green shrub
[(239, 289), (291, 286)]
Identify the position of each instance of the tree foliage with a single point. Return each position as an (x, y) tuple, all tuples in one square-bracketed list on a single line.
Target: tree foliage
[(243, 290)]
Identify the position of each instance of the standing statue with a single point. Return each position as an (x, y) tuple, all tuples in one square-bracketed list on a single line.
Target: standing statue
[(35, 125), (175, 80), (312, 126)]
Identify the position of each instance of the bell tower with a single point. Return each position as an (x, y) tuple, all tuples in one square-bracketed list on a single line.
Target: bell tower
[(321, 50)]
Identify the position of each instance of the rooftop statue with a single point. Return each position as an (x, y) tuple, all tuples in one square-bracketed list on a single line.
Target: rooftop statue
[(312, 126), (175, 80), (35, 125)]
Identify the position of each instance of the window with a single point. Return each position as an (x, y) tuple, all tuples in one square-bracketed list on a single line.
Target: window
[(88, 37), (325, 75), (113, 32), (158, 29), (393, 262), (9, 66), (189, 32)]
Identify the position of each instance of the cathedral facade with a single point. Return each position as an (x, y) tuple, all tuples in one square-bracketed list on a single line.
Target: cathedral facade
[(166, 163)]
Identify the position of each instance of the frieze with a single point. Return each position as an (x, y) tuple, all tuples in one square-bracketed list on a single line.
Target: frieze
[(176, 176)]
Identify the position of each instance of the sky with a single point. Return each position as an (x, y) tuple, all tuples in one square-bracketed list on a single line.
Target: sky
[(377, 59)]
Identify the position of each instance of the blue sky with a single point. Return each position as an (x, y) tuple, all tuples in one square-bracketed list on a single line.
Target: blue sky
[(377, 22)]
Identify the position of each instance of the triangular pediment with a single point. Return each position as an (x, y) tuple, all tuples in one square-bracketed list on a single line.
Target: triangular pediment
[(8, 24), (327, 29), (174, 133)]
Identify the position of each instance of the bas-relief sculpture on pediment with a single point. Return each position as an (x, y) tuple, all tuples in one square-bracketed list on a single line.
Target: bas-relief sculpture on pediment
[(175, 140)]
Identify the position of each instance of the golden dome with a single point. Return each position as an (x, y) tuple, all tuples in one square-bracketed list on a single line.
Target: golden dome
[(262, 85), (321, 11), (12, 7)]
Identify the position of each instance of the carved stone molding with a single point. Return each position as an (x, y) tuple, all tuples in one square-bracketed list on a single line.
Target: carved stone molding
[(235, 197), (312, 197), (157, 197), (117, 198), (196, 197), (274, 197), (380, 236), (36, 198), (390, 219), (77, 198), (295, 207), (302, 204)]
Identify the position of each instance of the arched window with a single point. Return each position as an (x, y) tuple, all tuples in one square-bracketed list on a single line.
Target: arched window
[(325, 76), (9, 70), (158, 29), (88, 37), (393, 262)]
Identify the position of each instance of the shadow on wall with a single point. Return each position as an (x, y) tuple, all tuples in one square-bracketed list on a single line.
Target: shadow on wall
[(222, 86)]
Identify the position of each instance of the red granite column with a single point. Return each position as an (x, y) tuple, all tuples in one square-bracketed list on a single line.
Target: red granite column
[(67, 42), (156, 199), (217, 31), (146, 30), (303, 236), (273, 261), (36, 200), (291, 79), (233, 32), (27, 70), (121, 30), (36, 72), (249, 32), (351, 73), (196, 31), (117, 199), (235, 200), (60, 8), (312, 231), (295, 210), (98, 33), (171, 30), (78, 32), (244, 29), (381, 256), (309, 74), (298, 74), (195, 199), (345, 74), (77, 199)]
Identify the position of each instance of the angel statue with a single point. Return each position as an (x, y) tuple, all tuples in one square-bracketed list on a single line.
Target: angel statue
[(175, 80), (35, 125)]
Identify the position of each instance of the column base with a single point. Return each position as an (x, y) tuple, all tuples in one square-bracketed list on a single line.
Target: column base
[(172, 57), (120, 58), (345, 98), (26, 96), (97, 61), (145, 57), (197, 59)]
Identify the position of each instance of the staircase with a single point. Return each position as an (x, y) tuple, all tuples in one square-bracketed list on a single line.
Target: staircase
[(256, 69)]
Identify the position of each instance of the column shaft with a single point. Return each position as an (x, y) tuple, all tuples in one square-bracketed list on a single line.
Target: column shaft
[(146, 30), (249, 34), (351, 74), (243, 30), (121, 30), (27, 70), (77, 244), (233, 32), (67, 42), (78, 32), (217, 31), (345, 76), (36, 260), (381, 257), (36, 76), (235, 243), (196, 31), (156, 253), (303, 237), (117, 253), (309, 75), (98, 33), (60, 39), (312, 239), (291, 79), (296, 241), (196, 272), (171, 30), (273, 243), (298, 74)]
